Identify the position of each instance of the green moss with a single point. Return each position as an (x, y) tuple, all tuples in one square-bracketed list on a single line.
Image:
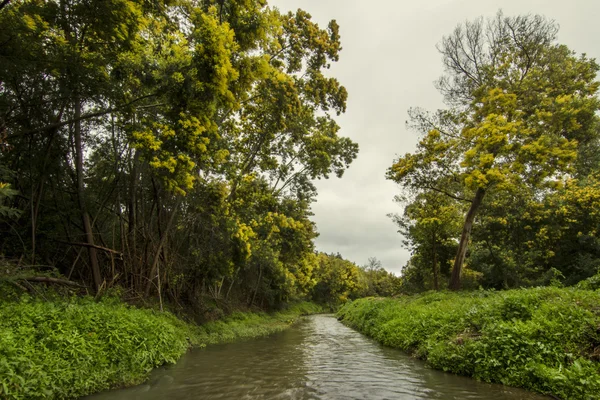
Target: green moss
[(67, 349), (543, 339)]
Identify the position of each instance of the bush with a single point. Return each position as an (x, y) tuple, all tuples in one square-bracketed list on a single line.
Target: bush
[(591, 283), (239, 325), (66, 349), (542, 339)]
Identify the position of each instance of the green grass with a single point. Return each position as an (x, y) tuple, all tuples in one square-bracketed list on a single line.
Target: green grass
[(542, 339), (66, 349), (241, 325)]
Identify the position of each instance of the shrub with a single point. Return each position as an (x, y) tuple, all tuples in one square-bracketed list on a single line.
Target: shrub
[(541, 339), (66, 349)]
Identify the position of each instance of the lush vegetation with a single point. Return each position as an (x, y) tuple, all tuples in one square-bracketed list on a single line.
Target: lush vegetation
[(243, 325), (339, 280), (505, 180), (68, 348), (167, 147), (502, 192), (542, 339)]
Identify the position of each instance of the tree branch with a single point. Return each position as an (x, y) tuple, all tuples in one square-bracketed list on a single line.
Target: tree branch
[(448, 194), (90, 115), (92, 246), (47, 279)]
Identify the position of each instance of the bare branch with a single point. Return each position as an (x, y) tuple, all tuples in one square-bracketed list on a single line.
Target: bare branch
[(47, 279), (91, 246)]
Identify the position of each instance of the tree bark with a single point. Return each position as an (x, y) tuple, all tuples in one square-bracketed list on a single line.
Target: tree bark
[(79, 117), (106, 249), (247, 166), (464, 239), (38, 192), (257, 285)]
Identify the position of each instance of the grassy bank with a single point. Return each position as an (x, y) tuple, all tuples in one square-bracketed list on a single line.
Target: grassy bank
[(65, 349), (243, 325), (543, 339)]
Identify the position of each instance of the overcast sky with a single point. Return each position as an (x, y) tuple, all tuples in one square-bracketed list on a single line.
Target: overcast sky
[(388, 64)]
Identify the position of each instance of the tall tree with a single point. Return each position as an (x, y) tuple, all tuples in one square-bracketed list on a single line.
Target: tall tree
[(520, 107), (168, 146)]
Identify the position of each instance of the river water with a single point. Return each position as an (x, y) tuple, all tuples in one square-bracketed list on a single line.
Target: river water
[(318, 358)]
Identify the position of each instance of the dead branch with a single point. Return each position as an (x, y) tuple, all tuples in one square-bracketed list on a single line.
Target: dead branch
[(47, 279)]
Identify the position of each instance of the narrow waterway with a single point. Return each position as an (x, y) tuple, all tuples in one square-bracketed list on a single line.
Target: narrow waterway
[(319, 358)]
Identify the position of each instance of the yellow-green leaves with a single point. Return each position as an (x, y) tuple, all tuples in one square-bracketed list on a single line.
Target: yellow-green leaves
[(201, 125), (523, 111), (214, 45), (192, 74)]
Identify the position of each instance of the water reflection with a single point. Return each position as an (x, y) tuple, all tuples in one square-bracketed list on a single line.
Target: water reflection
[(318, 359)]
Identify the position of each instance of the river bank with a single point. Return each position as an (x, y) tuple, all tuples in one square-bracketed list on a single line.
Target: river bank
[(68, 348), (542, 339)]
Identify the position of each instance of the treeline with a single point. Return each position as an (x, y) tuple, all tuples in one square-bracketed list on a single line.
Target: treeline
[(338, 280), (506, 180), (169, 147)]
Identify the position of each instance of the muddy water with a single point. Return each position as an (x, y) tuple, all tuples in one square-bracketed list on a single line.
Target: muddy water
[(318, 358)]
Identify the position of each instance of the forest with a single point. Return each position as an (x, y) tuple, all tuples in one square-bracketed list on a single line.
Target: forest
[(169, 148)]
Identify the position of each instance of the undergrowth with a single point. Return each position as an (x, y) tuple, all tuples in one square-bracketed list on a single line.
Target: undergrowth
[(542, 339), (62, 349), (243, 325)]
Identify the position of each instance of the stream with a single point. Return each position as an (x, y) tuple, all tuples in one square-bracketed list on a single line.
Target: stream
[(318, 358)]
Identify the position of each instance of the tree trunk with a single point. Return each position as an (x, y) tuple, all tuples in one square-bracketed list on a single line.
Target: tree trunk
[(85, 217), (161, 243), (464, 239), (38, 192), (257, 285), (436, 283), (132, 223), (248, 165)]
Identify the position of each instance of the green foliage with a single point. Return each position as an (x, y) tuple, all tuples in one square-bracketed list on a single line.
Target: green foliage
[(379, 282), (181, 136), (240, 325), (429, 225), (6, 194), (591, 283), (548, 238), (338, 280), (543, 339), (521, 124), (66, 349)]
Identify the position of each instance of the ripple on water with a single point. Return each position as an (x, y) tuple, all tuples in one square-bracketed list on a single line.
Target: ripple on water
[(319, 358)]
